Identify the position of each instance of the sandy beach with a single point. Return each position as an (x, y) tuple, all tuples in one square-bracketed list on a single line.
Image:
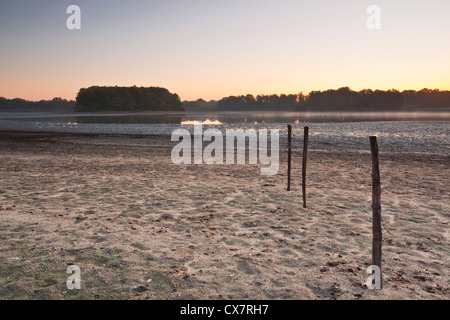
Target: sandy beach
[(141, 227)]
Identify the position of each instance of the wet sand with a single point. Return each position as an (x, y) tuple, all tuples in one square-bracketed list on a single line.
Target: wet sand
[(140, 227)]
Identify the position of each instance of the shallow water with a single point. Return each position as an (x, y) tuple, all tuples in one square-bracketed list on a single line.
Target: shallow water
[(328, 132)]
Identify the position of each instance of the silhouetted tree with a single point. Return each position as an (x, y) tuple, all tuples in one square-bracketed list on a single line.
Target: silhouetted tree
[(127, 99)]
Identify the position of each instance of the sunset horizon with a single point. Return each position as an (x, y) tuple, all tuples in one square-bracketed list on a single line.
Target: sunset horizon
[(50, 97), (213, 50)]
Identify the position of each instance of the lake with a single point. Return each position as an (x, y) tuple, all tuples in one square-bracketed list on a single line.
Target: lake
[(426, 133)]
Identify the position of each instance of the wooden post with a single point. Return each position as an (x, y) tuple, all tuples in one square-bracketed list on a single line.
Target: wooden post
[(305, 152), (289, 157), (376, 205)]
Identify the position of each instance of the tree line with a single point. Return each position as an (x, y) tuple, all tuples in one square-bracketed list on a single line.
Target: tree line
[(134, 98), (200, 105), (17, 104), (127, 99), (342, 99)]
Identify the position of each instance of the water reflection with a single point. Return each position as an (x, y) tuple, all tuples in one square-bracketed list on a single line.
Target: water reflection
[(298, 118), (207, 122), (227, 117), (140, 119)]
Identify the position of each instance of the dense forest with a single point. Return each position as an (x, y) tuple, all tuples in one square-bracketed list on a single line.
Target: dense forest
[(200, 105), (56, 104), (127, 99), (342, 99), (283, 102)]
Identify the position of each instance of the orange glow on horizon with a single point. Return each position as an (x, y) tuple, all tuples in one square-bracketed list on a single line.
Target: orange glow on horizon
[(197, 51), (37, 92)]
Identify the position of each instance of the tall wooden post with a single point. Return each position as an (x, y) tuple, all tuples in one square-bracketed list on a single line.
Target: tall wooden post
[(289, 157), (305, 153), (376, 205)]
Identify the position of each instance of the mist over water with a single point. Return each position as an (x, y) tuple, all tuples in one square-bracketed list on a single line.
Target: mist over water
[(421, 133), (224, 117)]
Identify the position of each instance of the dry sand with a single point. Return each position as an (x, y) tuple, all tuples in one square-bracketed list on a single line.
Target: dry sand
[(140, 227)]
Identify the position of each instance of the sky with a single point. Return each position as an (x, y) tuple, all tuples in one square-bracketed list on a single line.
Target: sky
[(212, 48)]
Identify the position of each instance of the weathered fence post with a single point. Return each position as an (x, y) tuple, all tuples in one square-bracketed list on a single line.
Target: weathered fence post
[(376, 205), (305, 153), (289, 157)]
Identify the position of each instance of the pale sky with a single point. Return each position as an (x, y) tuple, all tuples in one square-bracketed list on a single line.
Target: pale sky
[(212, 48)]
